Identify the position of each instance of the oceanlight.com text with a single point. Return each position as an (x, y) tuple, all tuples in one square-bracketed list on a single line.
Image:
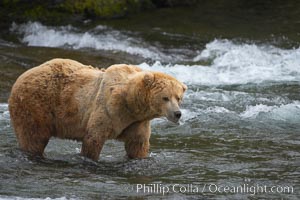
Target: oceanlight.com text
[(209, 188)]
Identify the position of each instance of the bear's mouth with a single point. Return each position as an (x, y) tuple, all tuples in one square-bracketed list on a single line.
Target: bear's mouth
[(173, 119), (174, 116)]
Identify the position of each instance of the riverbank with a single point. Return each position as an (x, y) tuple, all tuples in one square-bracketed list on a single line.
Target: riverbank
[(254, 20), (74, 11)]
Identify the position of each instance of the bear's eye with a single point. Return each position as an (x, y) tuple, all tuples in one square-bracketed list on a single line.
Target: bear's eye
[(165, 98)]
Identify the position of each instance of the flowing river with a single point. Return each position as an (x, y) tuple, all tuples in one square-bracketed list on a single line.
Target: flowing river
[(240, 128)]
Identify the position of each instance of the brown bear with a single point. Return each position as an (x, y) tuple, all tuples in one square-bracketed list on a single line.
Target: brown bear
[(66, 99)]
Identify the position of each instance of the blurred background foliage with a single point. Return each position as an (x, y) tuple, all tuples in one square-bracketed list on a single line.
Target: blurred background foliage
[(57, 10)]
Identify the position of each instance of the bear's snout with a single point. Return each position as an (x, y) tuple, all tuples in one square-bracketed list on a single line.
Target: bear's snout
[(177, 114)]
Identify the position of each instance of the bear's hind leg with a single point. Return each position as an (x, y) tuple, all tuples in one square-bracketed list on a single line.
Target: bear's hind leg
[(31, 120), (33, 140)]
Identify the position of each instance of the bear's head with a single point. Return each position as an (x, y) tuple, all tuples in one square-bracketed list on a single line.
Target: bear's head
[(164, 94)]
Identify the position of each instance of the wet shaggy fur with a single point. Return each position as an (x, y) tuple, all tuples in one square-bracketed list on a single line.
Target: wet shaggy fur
[(66, 99)]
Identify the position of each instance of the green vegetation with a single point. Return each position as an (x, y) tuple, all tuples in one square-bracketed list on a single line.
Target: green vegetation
[(59, 11), (104, 8)]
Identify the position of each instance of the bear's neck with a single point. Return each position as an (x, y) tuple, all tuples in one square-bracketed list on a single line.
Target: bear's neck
[(137, 103)]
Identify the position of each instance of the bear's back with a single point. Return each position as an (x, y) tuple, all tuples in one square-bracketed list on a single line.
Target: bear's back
[(45, 86), (120, 74)]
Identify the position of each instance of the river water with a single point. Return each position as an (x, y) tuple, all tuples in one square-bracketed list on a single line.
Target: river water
[(241, 113)]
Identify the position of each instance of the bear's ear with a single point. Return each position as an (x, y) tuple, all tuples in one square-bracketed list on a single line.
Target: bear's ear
[(184, 87), (148, 79)]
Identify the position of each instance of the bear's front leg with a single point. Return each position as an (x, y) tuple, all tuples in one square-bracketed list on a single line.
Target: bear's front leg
[(136, 138), (92, 146)]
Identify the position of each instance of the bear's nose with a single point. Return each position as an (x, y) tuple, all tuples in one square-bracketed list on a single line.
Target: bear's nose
[(177, 114)]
